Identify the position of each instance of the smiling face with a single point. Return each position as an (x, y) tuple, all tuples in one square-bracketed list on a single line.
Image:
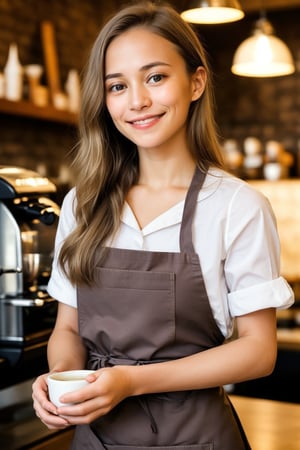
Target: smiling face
[(148, 89)]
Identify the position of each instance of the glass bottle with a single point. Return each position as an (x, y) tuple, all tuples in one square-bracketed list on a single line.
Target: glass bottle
[(13, 73)]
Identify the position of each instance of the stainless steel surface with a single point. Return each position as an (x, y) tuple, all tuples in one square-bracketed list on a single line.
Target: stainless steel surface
[(35, 264), (22, 302), (18, 315), (28, 222), (19, 426), (10, 253), (3, 271), (23, 181)]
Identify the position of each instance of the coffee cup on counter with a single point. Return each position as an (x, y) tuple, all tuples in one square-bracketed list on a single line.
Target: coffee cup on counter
[(60, 383)]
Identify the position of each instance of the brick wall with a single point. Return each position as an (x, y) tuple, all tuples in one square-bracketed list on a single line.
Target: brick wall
[(266, 108), (25, 141)]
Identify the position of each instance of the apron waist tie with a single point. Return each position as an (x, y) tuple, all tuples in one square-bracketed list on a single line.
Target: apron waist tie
[(97, 361)]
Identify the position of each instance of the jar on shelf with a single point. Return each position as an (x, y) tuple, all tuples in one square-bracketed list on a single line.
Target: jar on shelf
[(253, 160), (233, 157), (277, 161)]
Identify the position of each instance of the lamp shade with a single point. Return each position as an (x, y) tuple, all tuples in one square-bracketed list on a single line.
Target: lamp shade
[(213, 11), (263, 54)]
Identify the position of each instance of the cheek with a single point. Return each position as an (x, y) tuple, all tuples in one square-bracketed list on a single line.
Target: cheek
[(174, 96), (165, 96), (114, 107)]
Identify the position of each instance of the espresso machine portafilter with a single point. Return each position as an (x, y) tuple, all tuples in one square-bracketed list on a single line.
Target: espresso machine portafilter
[(28, 223)]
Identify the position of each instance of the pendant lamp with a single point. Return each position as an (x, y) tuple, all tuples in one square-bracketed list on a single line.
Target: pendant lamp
[(263, 54), (213, 11)]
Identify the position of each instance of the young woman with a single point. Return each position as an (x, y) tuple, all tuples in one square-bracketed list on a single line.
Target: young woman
[(158, 252)]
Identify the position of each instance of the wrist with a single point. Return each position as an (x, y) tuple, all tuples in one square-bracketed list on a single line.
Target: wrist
[(129, 379)]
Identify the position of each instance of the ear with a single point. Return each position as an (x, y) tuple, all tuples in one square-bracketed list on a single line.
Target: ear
[(198, 82)]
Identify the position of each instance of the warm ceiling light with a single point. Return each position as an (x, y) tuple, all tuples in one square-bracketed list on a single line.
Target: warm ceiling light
[(213, 11), (263, 54)]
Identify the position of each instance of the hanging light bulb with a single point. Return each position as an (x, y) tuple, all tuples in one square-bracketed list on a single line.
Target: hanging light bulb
[(213, 11), (263, 54)]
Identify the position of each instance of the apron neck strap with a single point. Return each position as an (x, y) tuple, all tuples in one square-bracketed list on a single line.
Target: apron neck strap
[(186, 238)]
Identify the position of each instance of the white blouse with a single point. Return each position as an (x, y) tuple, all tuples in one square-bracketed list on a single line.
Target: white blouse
[(234, 234)]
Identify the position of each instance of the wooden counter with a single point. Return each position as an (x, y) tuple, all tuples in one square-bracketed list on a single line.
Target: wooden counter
[(269, 425), (288, 339)]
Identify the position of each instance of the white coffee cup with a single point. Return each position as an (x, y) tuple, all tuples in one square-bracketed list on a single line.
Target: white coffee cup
[(60, 383)]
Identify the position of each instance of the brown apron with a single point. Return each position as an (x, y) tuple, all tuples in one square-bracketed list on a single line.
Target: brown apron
[(147, 307)]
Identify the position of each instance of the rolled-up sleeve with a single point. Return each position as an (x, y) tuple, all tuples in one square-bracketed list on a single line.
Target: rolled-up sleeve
[(252, 265), (272, 294)]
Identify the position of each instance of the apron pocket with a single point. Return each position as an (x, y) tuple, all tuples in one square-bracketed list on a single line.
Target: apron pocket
[(134, 311)]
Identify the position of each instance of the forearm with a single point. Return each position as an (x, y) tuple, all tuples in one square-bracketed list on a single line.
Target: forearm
[(65, 351), (222, 365), (250, 356)]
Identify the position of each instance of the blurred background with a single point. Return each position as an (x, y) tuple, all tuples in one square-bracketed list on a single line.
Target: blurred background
[(44, 46)]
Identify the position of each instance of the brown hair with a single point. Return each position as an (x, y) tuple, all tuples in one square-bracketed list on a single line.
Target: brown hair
[(106, 163)]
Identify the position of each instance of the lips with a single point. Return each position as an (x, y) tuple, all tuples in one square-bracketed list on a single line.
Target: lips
[(145, 121)]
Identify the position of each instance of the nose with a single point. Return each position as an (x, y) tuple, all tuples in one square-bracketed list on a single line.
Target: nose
[(139, 97)]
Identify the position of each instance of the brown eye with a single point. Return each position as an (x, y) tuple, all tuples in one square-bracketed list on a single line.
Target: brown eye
[(156, 78), (116, 87)]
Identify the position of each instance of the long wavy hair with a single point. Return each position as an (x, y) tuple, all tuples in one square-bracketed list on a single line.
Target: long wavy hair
[(106, 163)]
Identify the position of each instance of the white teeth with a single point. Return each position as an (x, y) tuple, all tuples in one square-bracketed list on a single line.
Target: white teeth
[(142, 122)]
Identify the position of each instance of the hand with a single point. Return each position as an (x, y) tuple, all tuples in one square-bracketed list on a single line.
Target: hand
[(44, 409), (107, 388)]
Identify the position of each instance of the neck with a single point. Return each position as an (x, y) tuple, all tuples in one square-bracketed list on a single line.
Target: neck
[(162, 175), (166, 169)]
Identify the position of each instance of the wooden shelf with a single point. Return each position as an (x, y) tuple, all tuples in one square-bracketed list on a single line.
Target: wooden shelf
[(28, 109)]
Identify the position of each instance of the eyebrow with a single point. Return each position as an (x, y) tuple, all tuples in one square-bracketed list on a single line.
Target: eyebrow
[(142, 69)]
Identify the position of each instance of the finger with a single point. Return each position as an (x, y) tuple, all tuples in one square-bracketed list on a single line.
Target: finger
[(55, 422), (84, 413), (42, 402), (52, 421)]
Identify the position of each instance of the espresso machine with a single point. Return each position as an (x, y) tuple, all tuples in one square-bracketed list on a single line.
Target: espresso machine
[(28, 222)]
